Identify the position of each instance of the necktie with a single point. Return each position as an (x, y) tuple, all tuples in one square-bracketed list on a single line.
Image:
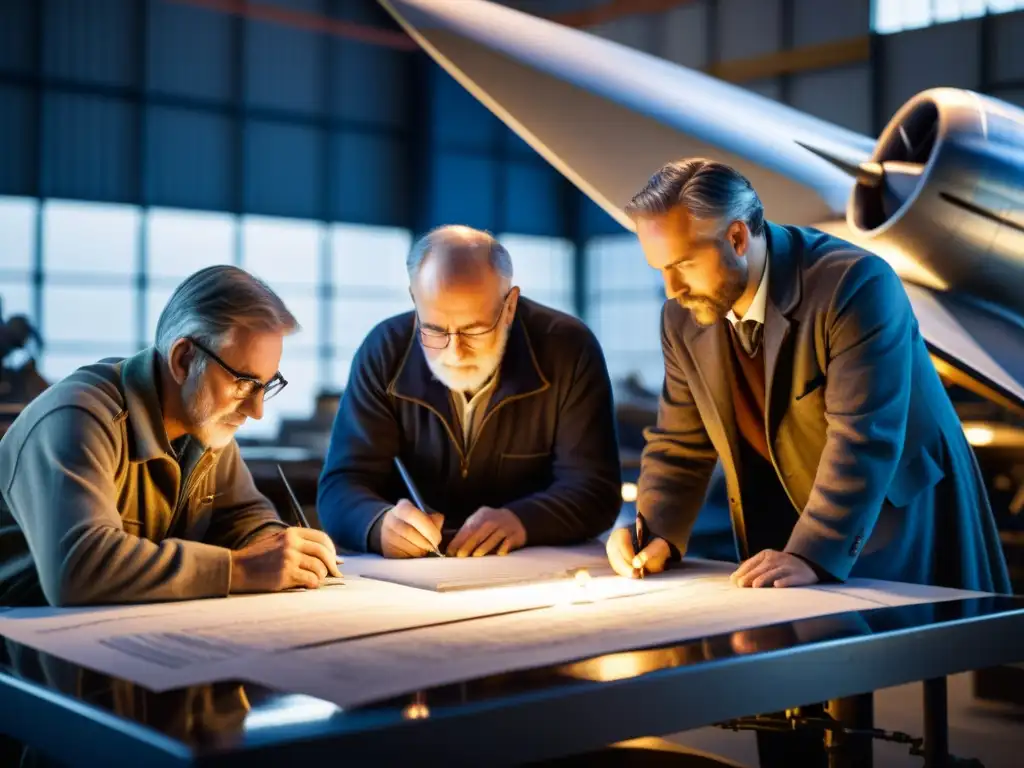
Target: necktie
[(750, 335)]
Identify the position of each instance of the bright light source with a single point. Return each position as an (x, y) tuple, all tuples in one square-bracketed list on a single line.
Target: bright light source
[(290, 710), (629, 491), (582, 577), (416, 711), (979, 435)]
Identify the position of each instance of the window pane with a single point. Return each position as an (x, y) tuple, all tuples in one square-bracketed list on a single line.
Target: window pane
[(616, 265), (16, 299), (543, 268), (354, 318), (180, 243), (294, 402), (887, 17), (305, 306), (971, 9), (648, 367), (627, 325), (156, 300), (54, 366), (90, 238), (369, 256), (91, 315), (282, 251), (17, 235)]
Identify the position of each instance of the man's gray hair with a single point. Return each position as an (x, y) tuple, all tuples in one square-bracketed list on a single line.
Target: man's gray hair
[(456, 237), (213, 302), (707, 189)]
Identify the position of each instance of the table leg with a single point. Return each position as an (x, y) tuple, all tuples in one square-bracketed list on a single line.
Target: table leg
[(936, 724), (851, 751)]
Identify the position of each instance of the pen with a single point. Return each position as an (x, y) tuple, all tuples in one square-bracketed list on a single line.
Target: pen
[(416, 498), (300, 516), (640, 538)]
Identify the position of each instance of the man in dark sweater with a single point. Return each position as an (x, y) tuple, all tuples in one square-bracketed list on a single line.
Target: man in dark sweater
[(796, 359), (500, 408)]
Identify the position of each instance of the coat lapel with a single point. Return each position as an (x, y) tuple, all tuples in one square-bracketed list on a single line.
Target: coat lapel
[(783, 296), (709, 347)]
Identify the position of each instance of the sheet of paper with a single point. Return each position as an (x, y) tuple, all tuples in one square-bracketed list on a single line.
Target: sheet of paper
[(169, 645), (698, 604), (366, 639), (451, 574)]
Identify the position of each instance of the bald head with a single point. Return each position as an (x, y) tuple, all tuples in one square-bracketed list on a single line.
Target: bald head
[(459, 258), (461, 284)]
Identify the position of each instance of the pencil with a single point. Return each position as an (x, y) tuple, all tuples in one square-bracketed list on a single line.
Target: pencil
[(300, 516), (297, 512), (641, 536), (414, 492)]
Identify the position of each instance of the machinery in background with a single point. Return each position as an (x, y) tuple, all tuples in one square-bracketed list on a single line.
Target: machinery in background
[(19, 383)]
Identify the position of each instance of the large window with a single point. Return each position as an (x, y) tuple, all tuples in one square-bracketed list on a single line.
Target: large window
[(17, 254), (897, 15), (287, 255), (89, 291), (179, 243), (542, 268), (369, 283), (624, 300), (109, 270)]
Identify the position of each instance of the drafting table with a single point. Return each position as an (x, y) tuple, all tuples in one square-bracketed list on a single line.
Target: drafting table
[(542, 713)]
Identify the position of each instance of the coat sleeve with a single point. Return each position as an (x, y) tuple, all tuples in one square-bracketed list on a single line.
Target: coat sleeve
[(678, 457), (870, 331), (585, 495), (364, 441), (63, 497), (240, 512)]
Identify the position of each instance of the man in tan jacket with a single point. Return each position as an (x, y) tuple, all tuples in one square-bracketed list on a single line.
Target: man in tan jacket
[(123, 482)]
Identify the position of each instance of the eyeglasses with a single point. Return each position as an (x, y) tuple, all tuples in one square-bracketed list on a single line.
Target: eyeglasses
[(246, 386), (436, 339)]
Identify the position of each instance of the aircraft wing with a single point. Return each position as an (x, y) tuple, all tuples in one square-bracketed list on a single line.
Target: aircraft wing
[(606, 116)]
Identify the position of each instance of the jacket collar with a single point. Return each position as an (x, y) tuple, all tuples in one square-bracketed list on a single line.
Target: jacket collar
[(519, 375), (140, 381), (785, 285)]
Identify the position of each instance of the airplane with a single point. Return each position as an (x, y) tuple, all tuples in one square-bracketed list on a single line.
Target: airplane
[(939, 195)]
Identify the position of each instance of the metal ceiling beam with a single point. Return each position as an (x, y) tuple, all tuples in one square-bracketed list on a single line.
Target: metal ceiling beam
[(614, 9), (310, 22)]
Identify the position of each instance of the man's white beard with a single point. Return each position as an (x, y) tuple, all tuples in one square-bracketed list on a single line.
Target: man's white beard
[(473, 379)]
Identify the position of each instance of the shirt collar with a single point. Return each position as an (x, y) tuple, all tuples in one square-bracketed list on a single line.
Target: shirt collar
[(757, 307), (471, 402)]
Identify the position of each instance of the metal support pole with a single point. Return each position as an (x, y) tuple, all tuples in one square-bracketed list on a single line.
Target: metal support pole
[(845, 751), (936, 724)]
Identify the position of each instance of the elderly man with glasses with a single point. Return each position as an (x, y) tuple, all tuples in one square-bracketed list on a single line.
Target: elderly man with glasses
[(123, 482), (500, 409)]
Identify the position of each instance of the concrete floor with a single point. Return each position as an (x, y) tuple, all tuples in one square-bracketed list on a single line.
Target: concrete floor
[(992, 733)]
